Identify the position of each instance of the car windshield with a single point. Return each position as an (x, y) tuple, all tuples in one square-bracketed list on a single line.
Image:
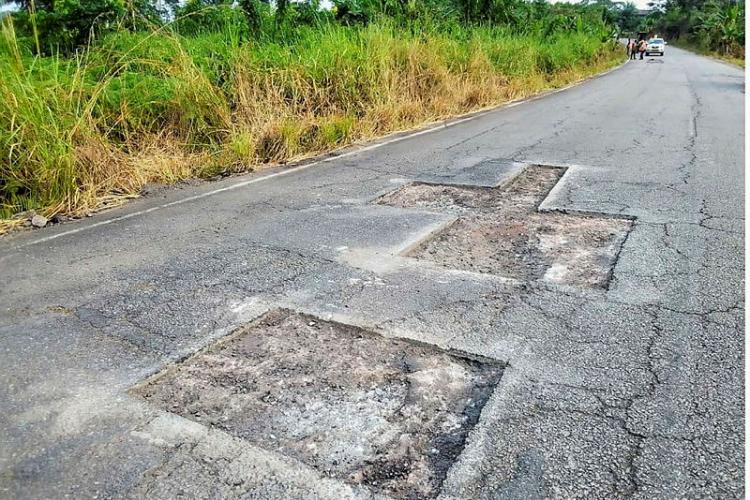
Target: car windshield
[(657, 41)]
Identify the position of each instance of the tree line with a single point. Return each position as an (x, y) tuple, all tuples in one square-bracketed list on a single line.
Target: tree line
[(61, 26), (717, 25)]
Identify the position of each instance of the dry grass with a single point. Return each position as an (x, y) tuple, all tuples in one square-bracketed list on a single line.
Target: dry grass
[(91, 132)]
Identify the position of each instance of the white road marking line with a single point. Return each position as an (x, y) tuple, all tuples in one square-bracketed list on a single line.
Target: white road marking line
[(299, 168), (247, 182)]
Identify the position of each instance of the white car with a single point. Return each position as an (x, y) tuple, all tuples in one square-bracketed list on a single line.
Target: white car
[(655, 46)]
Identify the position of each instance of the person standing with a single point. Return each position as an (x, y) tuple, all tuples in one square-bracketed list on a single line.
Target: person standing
[(642, 47), (631, 49)]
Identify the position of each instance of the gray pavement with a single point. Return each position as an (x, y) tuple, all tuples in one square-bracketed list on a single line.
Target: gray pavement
[(633, 391)]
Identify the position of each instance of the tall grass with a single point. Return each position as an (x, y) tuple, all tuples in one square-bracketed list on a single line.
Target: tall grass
[(136, 108)]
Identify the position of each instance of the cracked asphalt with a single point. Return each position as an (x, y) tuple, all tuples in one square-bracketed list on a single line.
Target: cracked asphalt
[(634, 391)]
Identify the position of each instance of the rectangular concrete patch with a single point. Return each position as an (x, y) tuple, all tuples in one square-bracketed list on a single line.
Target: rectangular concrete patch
[(390, 414), (501, 231)]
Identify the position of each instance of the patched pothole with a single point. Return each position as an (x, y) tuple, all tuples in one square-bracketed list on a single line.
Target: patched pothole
[(501, 231), (390, 414)]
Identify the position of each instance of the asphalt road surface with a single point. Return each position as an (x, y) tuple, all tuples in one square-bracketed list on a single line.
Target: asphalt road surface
[(631, 390)]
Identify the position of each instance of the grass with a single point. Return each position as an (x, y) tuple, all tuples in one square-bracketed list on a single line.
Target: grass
[(89, 131)]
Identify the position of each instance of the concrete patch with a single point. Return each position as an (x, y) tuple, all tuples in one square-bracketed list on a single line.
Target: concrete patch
[(501, 231), (390, 414)]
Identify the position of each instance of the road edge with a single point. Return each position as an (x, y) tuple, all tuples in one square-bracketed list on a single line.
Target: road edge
[(302, 164)]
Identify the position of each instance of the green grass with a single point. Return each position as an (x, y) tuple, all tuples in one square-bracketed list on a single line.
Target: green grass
[(80, 132)]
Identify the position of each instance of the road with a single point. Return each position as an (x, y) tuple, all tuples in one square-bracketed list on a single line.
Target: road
[(631, 390)]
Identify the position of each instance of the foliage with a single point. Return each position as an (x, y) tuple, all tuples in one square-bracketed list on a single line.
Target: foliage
[(628, 18), (227, 86), (62, 25), (196, 17), (717, 25), (722, 27)]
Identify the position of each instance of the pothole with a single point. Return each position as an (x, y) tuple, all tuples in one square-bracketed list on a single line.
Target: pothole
[(501, 231), (389, 414)]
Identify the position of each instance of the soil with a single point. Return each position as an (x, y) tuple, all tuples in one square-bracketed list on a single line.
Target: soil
[(500, 231), (390, 414)]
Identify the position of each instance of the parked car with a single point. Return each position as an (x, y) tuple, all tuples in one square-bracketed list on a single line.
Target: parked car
[(655, 46)]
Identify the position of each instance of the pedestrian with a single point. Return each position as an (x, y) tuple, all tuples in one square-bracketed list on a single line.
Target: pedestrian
[(642, 48), (631, 49)]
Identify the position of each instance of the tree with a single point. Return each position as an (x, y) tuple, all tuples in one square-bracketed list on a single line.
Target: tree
[(628, 19), (715, 24), (63, 25), (722, 26), (253, 13)]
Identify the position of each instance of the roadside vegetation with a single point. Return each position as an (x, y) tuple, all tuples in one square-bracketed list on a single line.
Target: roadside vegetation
[(102, 97), (733, 58), (714, 27)]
